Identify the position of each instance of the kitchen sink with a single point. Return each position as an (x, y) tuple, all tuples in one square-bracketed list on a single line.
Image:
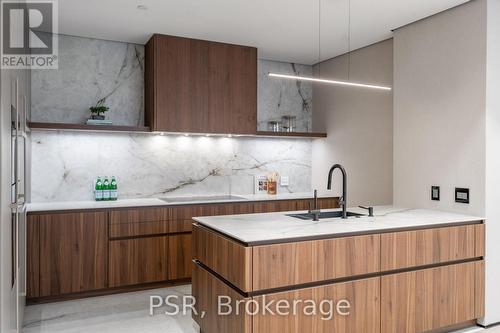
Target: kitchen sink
[(324, 215), (203, 198)]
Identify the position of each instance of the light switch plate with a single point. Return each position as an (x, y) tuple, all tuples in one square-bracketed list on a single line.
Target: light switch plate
[(462, 195), (284, 181), (435, 193)]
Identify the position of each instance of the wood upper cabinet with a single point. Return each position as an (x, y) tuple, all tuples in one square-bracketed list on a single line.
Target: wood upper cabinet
[(200, 86), (73, 252)]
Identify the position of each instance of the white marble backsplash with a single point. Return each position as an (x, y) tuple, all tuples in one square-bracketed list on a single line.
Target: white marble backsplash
[(280, 97), (64, 164), (89, 70)]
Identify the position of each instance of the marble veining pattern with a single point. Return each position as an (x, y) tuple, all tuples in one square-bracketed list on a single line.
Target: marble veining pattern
[(64, 164), (90, 70), (279, 97)]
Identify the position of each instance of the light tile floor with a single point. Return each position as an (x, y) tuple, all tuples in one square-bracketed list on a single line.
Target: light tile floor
[(121, 313)]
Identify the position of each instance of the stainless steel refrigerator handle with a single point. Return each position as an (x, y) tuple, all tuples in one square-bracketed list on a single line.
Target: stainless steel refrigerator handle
[(25, 116)]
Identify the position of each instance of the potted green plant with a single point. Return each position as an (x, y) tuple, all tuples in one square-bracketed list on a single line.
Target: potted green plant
[(97, 111)]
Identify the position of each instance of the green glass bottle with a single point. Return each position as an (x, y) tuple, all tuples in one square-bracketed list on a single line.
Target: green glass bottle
[(105, 189), (113, 189), (98, 195)]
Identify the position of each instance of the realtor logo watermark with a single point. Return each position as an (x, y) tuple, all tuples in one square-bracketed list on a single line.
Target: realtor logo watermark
[(29, 34)]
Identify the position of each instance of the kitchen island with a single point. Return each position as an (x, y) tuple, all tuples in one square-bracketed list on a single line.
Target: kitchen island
[(403, 270)]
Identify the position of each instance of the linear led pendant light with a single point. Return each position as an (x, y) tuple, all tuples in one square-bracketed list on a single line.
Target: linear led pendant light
[(327, 81)]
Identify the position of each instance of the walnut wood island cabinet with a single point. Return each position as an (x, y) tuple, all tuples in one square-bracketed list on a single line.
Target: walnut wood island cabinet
[(421, 277)]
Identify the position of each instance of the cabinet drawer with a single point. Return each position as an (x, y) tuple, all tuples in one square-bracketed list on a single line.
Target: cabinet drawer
[(364, 311), (424, 300), (181, 217), (229, 259), (275, 206), (138, 222), (429, 246), (323, 203), (206, 290), (290, 264), (137, 261)]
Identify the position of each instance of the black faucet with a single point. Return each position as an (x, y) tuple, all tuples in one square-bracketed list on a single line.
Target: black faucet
[(314, 207), (343, 199)]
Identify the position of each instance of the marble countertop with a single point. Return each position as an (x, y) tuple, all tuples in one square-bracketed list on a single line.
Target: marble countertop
[(259, 229), (151, 202)]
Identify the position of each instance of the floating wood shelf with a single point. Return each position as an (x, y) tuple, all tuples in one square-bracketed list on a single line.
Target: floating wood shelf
[(145, 129), (84, 127), (293, 134)]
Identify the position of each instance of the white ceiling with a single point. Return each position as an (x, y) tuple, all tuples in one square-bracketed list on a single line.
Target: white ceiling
[(285, 30)]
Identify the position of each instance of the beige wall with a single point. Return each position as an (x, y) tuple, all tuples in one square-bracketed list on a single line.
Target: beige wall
[(359, 124), (439, 109)]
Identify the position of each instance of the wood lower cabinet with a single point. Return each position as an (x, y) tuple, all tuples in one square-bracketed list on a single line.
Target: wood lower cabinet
[(362, 316), (227, 258), (397, 282), (138, 222), (73, 252), (180, 259), (206, 289), (426, 247), (275, 206), (77, 253), (138, 260), (428, 299), (298, 263)]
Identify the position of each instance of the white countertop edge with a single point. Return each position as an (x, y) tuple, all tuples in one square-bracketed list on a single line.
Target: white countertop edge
[(152, 202), (277, 227)]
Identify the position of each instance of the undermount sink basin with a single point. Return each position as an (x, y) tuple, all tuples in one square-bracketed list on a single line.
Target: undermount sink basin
[(324, 215), (202, 199)]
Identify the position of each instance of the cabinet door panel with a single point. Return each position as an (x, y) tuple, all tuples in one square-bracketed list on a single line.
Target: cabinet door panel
[(33, 257), (428, 299), (364, 312), (242, 93), (137, 261), (180, 84), (180, 259), (200, 86), (206, 289), (73, 252)]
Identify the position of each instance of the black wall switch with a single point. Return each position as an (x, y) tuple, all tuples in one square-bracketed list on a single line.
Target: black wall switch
[(435, 193), (462, 195)]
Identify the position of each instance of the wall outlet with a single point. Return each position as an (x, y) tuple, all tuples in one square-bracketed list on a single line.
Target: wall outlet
[(435, 193), (462, 195), (285, 181)]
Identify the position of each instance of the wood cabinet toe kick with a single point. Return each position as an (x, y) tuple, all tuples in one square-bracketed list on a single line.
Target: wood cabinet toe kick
[(424, 280)]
